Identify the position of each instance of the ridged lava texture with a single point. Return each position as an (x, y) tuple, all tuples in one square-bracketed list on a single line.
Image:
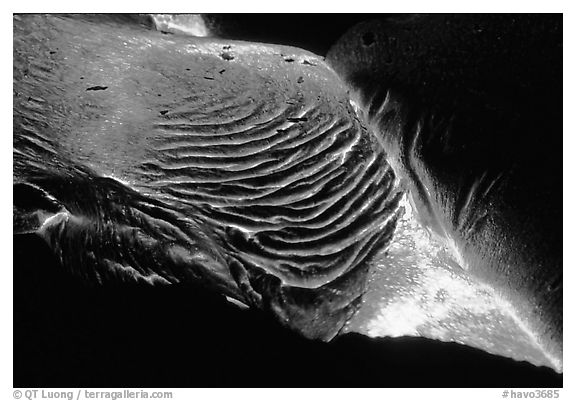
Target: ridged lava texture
[(167, 159)]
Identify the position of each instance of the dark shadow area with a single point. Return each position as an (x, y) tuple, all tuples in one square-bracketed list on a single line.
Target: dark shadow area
[(67, 334), (313, 32)]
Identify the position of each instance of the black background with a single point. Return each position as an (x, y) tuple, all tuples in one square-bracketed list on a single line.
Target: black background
[(68, 334)]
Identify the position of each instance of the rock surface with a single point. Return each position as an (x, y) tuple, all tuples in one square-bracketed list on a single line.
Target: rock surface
[(469, 108), (168, 159)]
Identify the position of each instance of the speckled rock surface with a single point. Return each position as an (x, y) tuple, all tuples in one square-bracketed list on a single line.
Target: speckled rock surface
[(469, 108)]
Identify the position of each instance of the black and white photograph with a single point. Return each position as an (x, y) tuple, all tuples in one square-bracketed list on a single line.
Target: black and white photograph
[(287, 200)]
